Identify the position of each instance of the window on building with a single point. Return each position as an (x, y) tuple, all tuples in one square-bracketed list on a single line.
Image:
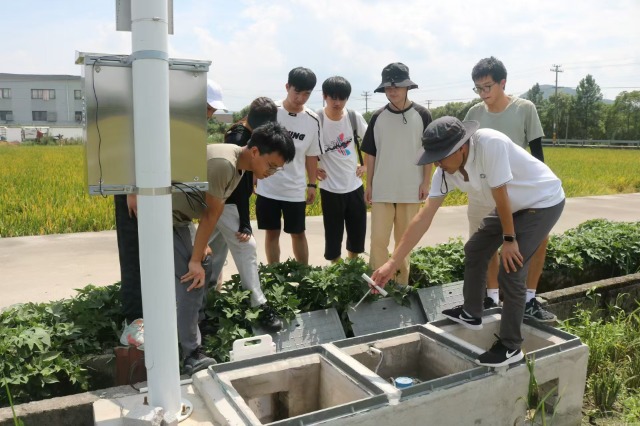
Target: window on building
[(77, 94), (6, 115), (44, 94), (79, 116), (39, 115), (5, 93)]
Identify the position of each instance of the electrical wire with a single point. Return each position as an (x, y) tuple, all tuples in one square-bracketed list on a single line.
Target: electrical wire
[(192, 194), (95, 95)]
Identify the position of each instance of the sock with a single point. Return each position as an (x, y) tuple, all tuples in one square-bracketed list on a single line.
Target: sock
[(494, 293), (530, 295)]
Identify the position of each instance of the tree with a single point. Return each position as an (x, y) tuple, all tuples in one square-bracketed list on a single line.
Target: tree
[(454, 109), (623, 118), (535, 95), (566, 124), (587, 107)]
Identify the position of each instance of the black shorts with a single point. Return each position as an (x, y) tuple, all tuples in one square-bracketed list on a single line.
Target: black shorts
[(269, 211), (340, 211)]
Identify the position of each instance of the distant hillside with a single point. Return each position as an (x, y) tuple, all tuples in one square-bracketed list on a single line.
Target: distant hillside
[(549, 89)]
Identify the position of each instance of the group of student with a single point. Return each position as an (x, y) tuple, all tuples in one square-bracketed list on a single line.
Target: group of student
[(286, 149)]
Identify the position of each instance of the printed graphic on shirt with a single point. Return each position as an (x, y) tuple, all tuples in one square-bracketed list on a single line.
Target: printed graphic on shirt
[(340, 145), (296, 135)]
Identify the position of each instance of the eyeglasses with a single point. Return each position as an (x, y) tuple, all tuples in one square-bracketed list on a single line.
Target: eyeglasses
[(484, 89), (273, 168)]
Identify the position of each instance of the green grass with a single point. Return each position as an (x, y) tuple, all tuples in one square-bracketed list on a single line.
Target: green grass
[(44, 189)]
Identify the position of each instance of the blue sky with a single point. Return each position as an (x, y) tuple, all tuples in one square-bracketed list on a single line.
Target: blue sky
[(254, 44)]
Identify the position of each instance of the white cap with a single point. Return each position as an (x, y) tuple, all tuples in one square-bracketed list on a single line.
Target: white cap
[(214, 95)]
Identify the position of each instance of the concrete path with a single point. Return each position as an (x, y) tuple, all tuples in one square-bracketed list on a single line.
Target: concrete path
[(44, 268)]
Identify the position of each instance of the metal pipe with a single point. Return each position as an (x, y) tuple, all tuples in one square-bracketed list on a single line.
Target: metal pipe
[(150, 78)]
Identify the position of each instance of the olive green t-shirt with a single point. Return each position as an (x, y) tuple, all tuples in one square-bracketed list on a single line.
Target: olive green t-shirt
[(223, 177)]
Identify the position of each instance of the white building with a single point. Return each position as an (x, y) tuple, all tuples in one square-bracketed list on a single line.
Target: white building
[(51, 102)]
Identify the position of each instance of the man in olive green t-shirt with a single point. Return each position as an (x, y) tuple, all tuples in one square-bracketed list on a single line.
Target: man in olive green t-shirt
[(268, 150)]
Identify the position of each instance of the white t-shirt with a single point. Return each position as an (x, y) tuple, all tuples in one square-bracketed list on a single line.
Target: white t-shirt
[(340, 154), (290, 184), (494, 160), (395, 139)]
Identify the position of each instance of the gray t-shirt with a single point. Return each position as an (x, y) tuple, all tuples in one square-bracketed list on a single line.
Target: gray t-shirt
[(519, 121), (223, 177)]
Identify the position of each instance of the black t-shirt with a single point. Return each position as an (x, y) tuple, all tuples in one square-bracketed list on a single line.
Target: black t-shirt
[(239, 135)]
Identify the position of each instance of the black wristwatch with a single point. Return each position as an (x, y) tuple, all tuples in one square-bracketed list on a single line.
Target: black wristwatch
[(312, 185), (508, 238)]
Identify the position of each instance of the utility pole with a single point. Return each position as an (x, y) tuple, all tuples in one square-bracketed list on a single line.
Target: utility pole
[(366, 101), (428, 102), (556, 69)]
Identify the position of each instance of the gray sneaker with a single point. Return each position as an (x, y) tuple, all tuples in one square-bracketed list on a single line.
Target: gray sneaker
[(534, 310)]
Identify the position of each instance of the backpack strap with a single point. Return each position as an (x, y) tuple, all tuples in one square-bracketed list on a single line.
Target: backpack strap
[(354, 125)]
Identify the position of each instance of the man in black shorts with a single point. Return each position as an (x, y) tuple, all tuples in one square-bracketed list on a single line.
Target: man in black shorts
[(287, 193)]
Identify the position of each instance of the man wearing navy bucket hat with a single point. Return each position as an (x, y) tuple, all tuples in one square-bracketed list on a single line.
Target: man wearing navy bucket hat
[(396, 187), (529, 200)]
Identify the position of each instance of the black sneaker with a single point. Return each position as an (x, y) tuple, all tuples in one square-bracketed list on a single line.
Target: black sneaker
[(197, 361), (489, 303), (534, 310), (499, 355), (269, 320), (459, 315)]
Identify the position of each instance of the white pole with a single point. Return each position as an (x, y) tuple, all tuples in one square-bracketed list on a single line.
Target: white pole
[(150, 72)]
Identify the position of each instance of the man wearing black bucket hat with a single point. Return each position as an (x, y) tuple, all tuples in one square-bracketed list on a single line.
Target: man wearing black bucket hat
[(395, 185), (529, 200)]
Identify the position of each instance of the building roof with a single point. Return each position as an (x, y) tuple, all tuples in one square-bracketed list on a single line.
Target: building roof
[(37, 77)]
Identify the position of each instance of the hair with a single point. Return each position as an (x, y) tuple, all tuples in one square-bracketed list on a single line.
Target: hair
[(337, 88), (261, 111), (302, 79), (489, 67), (273, 137)]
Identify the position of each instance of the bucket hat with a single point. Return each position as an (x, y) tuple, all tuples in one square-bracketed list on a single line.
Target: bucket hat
[(443, 137), (396, 74), (214, 95)]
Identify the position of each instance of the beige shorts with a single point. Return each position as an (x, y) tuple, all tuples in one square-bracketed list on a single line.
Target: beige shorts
[(475, 213)]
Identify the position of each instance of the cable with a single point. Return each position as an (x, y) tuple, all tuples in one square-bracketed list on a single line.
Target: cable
[(192, 194), (95, 95)]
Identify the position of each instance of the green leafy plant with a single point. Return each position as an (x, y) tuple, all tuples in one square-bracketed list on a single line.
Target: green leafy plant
[(606, 385)]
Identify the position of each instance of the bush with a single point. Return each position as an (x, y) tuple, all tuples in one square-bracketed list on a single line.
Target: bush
[(44, 346)]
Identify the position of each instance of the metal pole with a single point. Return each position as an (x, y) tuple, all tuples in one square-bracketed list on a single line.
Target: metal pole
[(150, 76)]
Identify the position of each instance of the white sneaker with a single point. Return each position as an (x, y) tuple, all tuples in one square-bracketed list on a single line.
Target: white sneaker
[(133, 334)]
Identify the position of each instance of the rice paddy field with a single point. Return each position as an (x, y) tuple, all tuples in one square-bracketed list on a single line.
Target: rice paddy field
[(43, 188)]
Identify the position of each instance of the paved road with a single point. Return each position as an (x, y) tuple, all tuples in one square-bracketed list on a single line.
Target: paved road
[(43, 268)]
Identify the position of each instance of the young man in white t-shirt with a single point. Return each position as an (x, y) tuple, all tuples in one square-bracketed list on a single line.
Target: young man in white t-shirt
[(341, 190), (287, 193), (529, 200), (518, 119)]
